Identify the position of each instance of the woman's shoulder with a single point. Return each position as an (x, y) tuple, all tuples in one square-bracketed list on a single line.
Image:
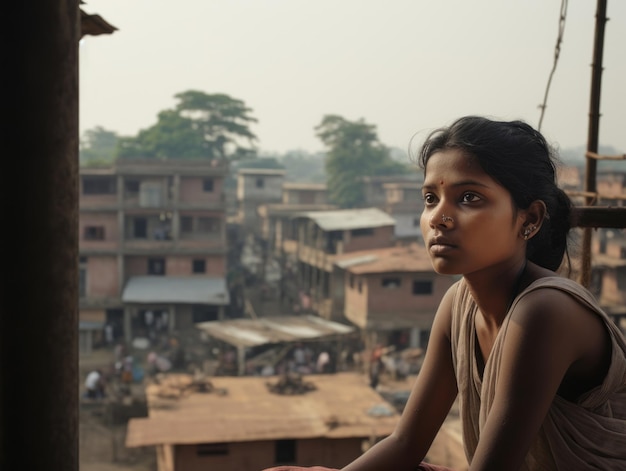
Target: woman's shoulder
[(559, 306), (549, 290)]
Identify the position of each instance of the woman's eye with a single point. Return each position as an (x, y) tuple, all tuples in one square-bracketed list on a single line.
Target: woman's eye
[(429, 198), (470, 198)]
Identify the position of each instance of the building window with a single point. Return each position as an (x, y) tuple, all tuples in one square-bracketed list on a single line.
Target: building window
[(186, 224), (156, 266), (199, 265), (360, 286), (391, 283), (422, 287), (207, 225), (132, 186), (351, 281), (94, 233), (212, 449), (285, 451), (260, 183), (207, 185), (140, 228), (98, 186), (362, 232), (204, 313)]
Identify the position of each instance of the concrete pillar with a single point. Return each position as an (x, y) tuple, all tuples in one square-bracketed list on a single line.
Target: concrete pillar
[(241, 360), (39, 313), (415, 338), (128, 335)]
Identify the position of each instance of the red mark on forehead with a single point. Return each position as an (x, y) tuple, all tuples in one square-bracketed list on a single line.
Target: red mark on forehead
[(441, 182)]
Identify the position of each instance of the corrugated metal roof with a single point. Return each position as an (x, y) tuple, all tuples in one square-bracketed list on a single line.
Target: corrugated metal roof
[(267, 330), (346, 219), (176, 289), (358, 260), (90, 325), (262, 171), (304, 186), (337, 408)]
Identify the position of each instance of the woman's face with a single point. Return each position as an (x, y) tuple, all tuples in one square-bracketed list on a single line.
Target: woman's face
[(483, 232)]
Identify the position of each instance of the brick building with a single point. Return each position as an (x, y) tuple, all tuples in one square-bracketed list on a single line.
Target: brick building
[(152, 246), (391, 294)]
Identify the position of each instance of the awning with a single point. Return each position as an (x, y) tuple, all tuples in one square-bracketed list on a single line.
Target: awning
[(176, 289), (90, 325), (269, 330)]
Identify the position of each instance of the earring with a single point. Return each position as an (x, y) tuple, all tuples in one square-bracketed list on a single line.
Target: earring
[(529, 230)]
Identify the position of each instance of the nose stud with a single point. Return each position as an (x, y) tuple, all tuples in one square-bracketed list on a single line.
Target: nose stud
[(445, 219)]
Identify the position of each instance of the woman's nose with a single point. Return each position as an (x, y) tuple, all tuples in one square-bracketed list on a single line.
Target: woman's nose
[(440, 218)]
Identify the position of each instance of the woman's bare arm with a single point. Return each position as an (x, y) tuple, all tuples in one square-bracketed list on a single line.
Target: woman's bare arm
[(550, 335), (432, 396)]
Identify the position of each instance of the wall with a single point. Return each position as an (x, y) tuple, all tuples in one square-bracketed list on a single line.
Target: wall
[(191, 190), (402, 299), (376, 302), (257, 455), (382, 237), (271, 190), (179, 265), (102, 277), (407, 225), (111, 230)]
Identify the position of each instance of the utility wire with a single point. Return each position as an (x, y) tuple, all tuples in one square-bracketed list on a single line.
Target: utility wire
[(557, 52)]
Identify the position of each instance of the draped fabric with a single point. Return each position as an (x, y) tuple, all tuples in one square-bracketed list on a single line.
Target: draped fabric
[(589, 434)]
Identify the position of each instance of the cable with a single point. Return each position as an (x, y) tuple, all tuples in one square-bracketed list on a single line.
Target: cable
[(557, 52)]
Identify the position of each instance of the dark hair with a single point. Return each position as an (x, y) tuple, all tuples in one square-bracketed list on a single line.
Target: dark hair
[(519, 158)]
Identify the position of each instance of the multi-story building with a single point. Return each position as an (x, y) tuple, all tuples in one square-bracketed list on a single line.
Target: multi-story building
[(391, 294), (255, 187), (304, 193), (152, 245), (374, 190), (404, 202), (320, 236)]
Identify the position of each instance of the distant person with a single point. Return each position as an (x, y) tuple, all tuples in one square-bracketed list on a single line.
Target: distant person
[(94, 385), (108, 334), (538, 368), (323, 362)]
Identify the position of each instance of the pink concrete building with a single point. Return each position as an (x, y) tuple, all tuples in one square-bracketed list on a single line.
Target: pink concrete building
[(152, 246), (318, 237), (392, 294)]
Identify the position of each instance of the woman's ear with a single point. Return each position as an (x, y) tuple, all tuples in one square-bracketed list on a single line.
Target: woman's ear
[(535, 214)]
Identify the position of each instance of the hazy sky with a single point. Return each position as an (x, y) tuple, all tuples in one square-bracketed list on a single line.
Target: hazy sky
[(403, 65)]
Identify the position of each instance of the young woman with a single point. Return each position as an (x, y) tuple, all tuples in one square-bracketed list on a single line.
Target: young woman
[(539, 369)]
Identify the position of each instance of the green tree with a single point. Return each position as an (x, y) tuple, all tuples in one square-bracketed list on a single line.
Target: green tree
[(97, 146), (201, 126), (353, 152)]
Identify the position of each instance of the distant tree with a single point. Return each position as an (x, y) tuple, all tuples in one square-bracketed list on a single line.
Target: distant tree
[(97, 146), (353, 152), (201, 126), (303, 166)]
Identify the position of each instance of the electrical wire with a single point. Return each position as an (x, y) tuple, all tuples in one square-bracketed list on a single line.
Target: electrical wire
[(557, 52)]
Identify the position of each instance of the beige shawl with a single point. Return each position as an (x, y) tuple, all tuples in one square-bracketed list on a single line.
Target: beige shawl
[(587, 435)]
